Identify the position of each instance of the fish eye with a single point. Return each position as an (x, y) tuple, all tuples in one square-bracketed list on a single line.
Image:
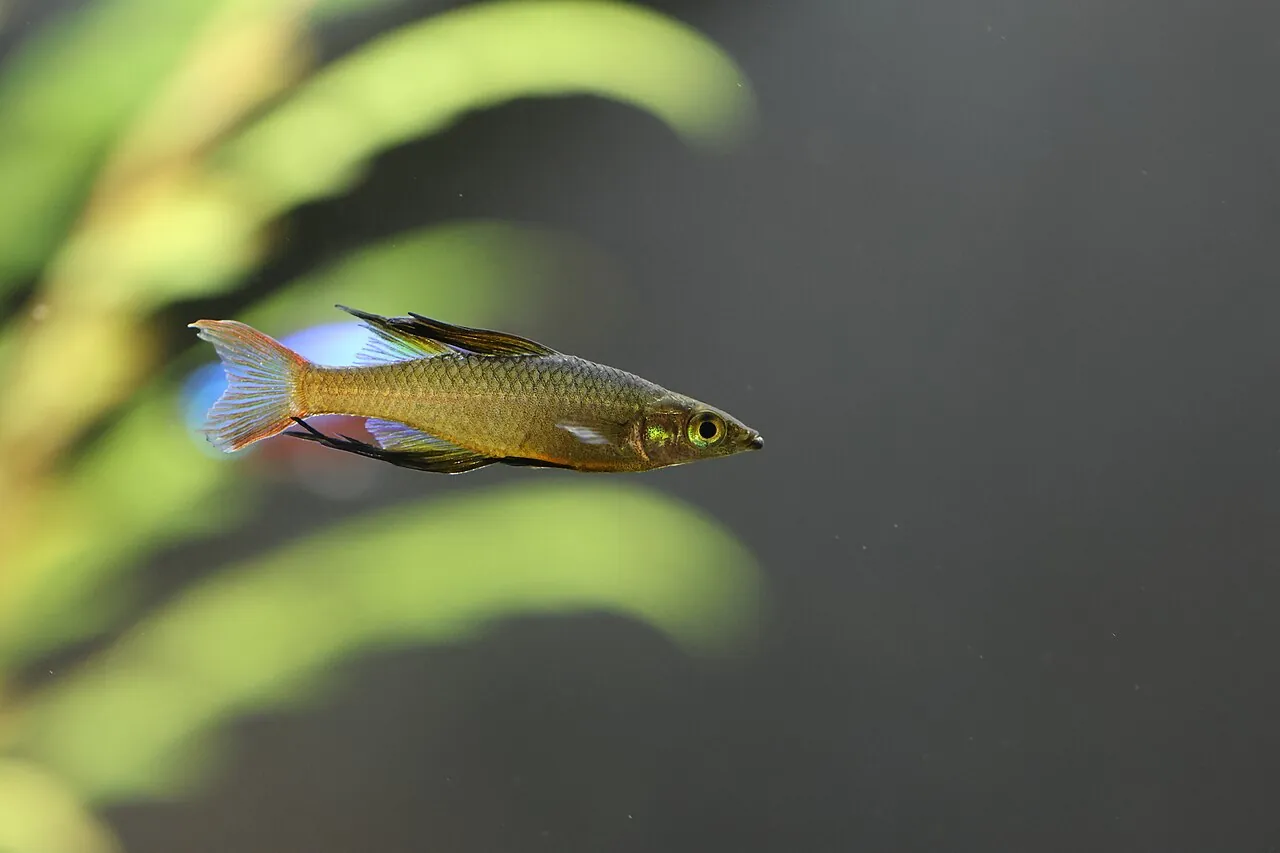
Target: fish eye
[(706, 429)]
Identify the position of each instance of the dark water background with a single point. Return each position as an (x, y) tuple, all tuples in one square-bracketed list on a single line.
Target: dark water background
[(998, 283)]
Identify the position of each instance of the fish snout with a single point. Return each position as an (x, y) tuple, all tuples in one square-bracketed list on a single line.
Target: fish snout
[(756, 441)]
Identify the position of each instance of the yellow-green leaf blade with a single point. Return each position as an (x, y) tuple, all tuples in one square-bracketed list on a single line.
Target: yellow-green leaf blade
[(422, 77), (262, 633)]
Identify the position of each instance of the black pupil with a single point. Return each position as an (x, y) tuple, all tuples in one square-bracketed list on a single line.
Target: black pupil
[(708, 430)]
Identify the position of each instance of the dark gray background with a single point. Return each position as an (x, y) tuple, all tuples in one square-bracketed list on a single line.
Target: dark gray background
[(996, 282)]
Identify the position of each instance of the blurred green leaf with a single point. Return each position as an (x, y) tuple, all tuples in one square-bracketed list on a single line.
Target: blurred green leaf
[(262, 634), (101, 521), (142, 487), (38, 814), (64, 96), (193, 236), (335, 8), (198, 231), (154, 225), (102, 89), (473, 271), (421, 77)]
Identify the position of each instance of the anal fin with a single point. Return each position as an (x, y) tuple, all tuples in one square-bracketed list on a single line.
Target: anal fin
[(393, 435), (426, 454)]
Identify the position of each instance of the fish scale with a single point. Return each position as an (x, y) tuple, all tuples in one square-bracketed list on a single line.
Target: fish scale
[(494, 404)]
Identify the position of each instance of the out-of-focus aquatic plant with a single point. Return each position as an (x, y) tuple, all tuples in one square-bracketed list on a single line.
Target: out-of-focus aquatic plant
[(150, 152), (262, 633)]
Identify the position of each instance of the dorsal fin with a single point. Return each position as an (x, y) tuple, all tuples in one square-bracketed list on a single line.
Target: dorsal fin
[(476, 341), (416, 336), (392, 343)]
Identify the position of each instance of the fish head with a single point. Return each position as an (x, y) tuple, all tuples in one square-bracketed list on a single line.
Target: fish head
[(679, 429)]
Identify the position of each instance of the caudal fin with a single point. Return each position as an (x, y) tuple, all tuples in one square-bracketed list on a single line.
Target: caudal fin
[(262, 377)]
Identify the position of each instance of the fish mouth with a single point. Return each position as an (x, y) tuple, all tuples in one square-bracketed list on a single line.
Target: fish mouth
[(756, 442)]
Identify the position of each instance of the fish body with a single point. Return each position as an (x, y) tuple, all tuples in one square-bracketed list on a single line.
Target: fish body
[(451, 399), (499, 406)]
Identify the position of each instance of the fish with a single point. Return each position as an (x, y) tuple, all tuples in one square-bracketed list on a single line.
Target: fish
[(451, 399)]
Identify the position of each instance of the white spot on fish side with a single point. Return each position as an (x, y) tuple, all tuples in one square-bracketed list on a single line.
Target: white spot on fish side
[(585, 434)]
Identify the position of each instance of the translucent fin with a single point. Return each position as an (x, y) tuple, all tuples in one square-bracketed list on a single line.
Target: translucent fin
[(393, 435), (477, 341), (383, 349), (456, 460), (416, 336), (261, 376), (391, 343)]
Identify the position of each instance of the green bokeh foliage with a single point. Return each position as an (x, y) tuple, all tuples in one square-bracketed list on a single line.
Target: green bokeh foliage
[(136, 719)]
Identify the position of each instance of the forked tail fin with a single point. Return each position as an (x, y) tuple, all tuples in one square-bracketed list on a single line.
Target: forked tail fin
[(262, 379)]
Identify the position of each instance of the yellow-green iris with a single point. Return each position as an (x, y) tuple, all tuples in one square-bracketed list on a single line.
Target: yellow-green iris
[(706, 429)]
